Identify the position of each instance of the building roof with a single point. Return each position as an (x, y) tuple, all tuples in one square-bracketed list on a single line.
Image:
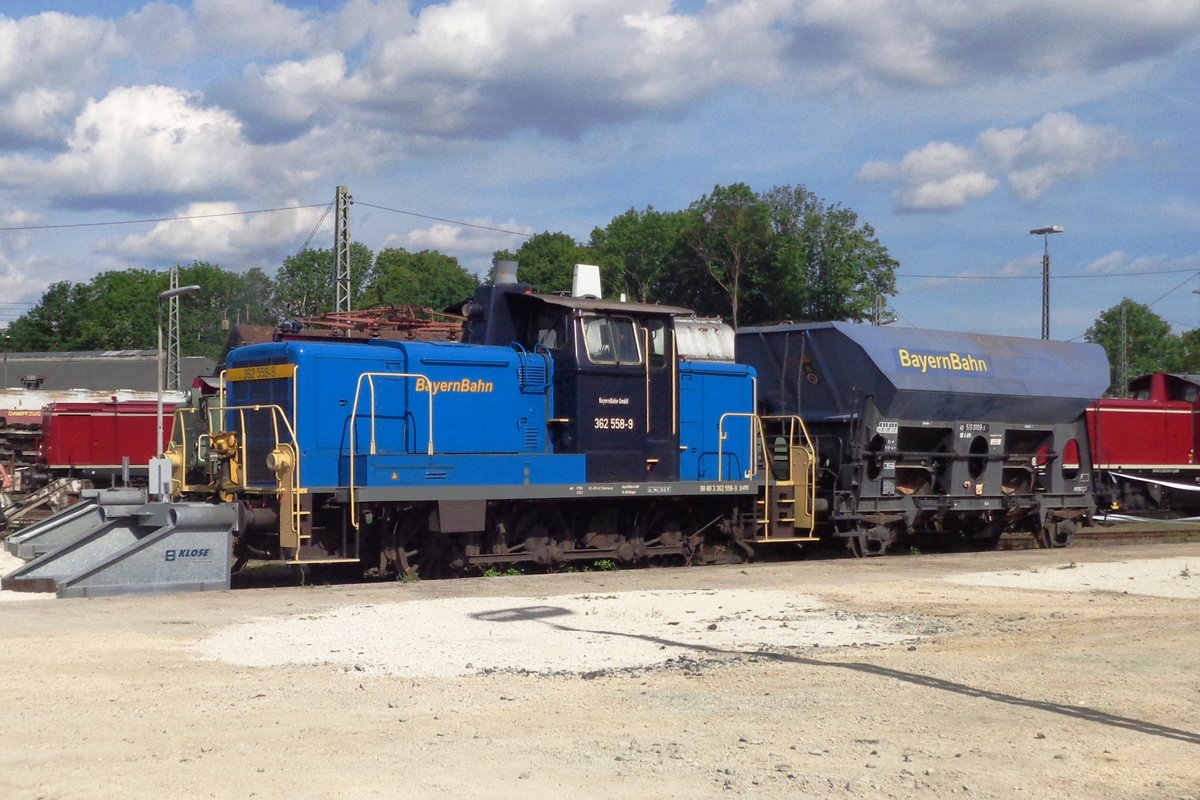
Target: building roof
[(101, 369)]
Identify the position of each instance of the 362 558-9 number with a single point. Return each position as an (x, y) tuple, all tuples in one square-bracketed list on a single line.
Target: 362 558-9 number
[(613, 423)]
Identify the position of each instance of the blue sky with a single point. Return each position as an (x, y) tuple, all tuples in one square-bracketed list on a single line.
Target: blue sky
[(952, 128)]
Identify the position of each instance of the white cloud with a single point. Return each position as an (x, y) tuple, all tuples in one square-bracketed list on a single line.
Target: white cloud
[(943, 176), (146, 140), (1057, 148), (1119, 263), (264, 25), (45, 61), (931, 43), (219, 232), (483, 68)]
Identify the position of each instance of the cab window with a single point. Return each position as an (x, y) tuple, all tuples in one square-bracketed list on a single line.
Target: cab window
[(656, 332), (611, 340), (549, 330)]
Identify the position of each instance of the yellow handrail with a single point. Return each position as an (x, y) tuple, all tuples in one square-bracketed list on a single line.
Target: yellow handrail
[(370, 379)]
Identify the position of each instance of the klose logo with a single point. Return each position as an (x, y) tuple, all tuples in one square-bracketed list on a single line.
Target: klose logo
[(189, 554), (948, 362), (465, 385)]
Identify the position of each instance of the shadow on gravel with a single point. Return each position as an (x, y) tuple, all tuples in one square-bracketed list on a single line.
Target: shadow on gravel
[(543, 613)]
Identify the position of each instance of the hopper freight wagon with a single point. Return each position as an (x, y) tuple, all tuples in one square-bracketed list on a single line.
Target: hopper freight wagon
[(1146, 446), (931, 436)]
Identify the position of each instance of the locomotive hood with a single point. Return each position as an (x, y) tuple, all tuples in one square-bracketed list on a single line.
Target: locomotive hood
[(829, 370)]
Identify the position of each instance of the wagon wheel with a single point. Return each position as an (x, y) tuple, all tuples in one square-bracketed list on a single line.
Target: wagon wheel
[(856, 544), (539, 534), (875, 541), (1056, 533)]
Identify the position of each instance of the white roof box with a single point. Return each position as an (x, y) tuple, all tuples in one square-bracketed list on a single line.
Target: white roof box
[(586, 282), (704, 339)]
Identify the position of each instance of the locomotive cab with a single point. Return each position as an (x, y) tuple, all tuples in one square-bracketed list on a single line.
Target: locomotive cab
[(615, 377)]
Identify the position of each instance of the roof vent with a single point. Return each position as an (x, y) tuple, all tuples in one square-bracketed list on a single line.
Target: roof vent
[(504, 272)]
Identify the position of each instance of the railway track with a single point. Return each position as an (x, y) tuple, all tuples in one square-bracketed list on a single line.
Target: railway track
[(1108, 533)]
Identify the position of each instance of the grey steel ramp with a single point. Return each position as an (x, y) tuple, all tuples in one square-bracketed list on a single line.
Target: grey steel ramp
[(189, 552), (74, 523), (162, 547), (42, 573)]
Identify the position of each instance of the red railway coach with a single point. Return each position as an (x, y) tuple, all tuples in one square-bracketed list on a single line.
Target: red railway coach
[(90, 439), (1146, 446), (87, 438)]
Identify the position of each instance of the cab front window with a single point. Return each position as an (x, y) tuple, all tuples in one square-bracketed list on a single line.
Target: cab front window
[(611, 340)]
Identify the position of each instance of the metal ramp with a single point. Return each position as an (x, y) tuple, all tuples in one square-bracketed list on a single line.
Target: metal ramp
[(73, 523), (159, 548)]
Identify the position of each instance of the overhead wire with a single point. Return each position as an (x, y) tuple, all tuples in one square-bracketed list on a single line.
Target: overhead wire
[(144, 220), (443, 219)]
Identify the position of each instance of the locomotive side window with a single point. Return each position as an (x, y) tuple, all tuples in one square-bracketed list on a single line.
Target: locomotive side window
[(550, 330), (611, 340), (656, 332)]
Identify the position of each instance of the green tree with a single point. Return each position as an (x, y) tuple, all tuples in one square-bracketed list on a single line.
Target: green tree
[(49, 325), (750, 257), (1191, 351), (120, 310), (831, 267), (547, 260), (1147, 343), (728, 236), (225, 297), (304, 284), (428, 279), (642, 248)]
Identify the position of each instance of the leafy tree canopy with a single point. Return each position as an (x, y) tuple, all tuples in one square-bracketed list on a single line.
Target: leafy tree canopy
[(746, 256), (751, 257), (1147, 344), (304, 285), (547, 260), (428, 279)]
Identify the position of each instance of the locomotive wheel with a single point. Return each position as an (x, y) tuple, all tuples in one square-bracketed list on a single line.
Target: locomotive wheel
[(540, 534), (666, 525), (603, 530), (411, 550)]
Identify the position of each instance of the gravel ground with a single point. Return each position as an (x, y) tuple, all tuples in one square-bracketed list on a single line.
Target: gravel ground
[(1041, 674)]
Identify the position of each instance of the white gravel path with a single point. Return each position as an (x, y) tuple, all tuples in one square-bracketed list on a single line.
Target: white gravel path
[(1158, 577), (569, 633)]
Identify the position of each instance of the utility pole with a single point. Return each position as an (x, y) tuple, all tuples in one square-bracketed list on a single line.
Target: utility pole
[(172, 380), (341, 250), (1045, 234), (1123, 360)]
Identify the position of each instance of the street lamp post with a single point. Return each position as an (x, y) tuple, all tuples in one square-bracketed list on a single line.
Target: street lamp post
[(1045, 234), (165, 295)]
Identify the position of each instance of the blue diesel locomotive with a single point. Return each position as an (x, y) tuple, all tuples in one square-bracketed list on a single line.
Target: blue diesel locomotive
[(561, 428)]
